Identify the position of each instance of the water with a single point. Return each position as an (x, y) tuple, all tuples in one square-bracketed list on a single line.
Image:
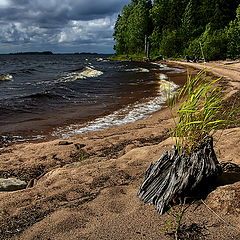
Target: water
[(64, 95)]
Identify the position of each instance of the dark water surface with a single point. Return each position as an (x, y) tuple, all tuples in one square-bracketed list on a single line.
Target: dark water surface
[(63, 95)]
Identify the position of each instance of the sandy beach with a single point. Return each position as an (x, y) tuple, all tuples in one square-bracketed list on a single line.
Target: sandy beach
[(85, 187)]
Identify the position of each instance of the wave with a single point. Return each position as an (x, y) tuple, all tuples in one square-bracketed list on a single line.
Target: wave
[(163, 76), (27, 70), (19, 139), (170, 70), (102, 60), (167, 87), (140, 70), (6, 77), (128, 114), (43, 95), (87, 72), (176, 70)]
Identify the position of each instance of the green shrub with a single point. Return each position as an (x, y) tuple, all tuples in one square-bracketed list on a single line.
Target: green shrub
[(214, 45), (171, 44), (194, 50), (201, 113), (233, 37)]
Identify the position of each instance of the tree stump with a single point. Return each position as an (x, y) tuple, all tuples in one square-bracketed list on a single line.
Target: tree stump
[(175, 175)]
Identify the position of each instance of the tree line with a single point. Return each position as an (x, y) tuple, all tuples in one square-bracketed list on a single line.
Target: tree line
[(179, 28)]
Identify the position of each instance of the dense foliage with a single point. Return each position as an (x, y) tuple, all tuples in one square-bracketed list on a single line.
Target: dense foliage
[(199, 29)]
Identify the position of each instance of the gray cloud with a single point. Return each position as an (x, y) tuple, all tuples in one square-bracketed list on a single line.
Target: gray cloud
[(56, 24)]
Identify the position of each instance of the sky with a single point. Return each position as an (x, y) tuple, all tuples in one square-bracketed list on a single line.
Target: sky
[(60, 26)]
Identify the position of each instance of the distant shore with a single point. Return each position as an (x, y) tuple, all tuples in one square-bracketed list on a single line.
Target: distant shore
[(52, 53)]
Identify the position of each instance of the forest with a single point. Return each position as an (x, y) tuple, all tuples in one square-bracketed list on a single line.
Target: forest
[(194, 29)]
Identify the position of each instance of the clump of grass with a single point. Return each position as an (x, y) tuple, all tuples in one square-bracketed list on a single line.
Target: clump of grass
[(201, 112)]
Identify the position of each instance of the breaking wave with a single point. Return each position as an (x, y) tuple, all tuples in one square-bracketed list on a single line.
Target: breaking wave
[(163, 76), (87, 72), (6, 77), (140, 70), (170, 70), (128, 114)]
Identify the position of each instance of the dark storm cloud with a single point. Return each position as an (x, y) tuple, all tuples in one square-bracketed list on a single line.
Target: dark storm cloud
[(58, 21), (61, 10)]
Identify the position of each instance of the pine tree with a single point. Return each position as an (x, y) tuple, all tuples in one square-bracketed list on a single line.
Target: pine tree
[(233, 35)]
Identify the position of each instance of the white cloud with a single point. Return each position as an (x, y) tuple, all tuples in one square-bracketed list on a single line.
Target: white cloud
[(4, 3), (81, 31)]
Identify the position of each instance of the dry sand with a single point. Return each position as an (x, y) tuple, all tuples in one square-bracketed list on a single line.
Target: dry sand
[(87, 189)]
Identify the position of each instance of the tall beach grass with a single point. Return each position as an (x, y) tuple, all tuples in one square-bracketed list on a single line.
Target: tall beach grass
[(201, 112)]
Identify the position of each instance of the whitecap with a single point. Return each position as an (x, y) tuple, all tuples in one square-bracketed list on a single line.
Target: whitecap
[(99, 59), (162, 66), (140, 70), (167, 87), (6, 77), (176, 70), (163, 76), (88, 72), (170, 70)]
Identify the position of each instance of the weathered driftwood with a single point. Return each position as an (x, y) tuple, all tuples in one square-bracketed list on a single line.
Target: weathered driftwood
[(175, 174)]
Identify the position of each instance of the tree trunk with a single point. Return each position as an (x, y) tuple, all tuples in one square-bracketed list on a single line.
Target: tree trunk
[(175, 175)]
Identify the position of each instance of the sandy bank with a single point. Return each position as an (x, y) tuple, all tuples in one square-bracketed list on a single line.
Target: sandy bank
[(225, 69), (86, 188)]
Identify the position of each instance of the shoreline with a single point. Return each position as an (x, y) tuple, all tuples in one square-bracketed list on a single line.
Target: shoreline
[(214, 68), (43, 130), (85, 187)]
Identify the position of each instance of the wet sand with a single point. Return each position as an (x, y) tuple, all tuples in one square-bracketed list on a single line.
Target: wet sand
[(86, 188)]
